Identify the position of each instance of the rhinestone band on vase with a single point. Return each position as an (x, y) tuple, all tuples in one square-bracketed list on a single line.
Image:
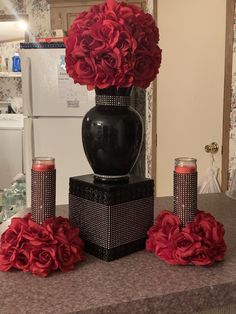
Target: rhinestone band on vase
[(112, 100), (102, 176)]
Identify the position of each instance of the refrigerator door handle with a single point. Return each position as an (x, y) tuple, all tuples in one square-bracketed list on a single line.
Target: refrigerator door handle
[(28, 152), (27, 88)]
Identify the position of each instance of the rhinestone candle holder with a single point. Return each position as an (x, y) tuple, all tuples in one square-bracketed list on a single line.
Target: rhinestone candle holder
[(43, 189), (185, 189)]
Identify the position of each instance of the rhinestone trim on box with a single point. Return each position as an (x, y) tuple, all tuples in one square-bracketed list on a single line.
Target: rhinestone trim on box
[(120, 193), (111, 100), (111, 226)]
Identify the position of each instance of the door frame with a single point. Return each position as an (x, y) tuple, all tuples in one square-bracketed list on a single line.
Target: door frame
[(151, 111), (229, 35)]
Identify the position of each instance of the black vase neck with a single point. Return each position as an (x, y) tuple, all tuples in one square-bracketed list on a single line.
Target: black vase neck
[(114, 91)]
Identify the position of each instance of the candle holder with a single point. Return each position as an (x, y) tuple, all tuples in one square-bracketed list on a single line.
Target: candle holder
[(185, 189), (188, 236), (43, 189)]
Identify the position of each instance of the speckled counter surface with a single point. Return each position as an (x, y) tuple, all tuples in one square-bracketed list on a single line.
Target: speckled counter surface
[(138, 283)]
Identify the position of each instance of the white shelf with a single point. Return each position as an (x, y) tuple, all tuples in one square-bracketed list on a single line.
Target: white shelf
[(5, 102), (10, 74)]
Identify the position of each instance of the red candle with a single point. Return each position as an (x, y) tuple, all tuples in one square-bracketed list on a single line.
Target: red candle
[(43, 164), (185, 189), (43, 189)]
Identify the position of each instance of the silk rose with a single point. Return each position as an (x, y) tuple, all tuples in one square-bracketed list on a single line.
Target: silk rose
[(40, 249), (113, 44), (198, 243)]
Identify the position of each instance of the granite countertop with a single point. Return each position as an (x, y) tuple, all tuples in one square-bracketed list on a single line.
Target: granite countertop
[(138, 283)]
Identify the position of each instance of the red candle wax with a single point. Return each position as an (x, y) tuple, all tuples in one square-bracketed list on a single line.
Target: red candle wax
[(43, 164), (42, 167), (185, 169)]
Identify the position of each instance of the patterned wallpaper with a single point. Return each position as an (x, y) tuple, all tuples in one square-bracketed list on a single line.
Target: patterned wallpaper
[(39, 17), (12, 6), (232, 137), (39, 21)]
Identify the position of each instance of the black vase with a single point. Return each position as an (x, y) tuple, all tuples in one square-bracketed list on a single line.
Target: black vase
[(112, 133)]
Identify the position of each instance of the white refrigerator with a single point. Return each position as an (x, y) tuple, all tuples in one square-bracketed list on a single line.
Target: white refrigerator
[(54, 108)]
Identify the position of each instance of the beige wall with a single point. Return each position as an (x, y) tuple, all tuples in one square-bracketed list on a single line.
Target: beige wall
[(190, 84)]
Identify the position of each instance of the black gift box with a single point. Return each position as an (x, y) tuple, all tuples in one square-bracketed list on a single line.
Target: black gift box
[(113, 217)]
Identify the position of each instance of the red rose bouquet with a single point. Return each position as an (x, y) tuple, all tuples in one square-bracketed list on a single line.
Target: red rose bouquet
[(113, 44), (198, 243), (39, 249)]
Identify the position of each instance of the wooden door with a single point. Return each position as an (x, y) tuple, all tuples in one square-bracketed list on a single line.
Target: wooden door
[(190, 86)]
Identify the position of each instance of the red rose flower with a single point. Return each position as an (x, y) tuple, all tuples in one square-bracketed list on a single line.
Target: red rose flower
[(13, 235), (87, 44), (59, 227), (206, 225), (146, 68), (152, 239), (165, 225), (43, 260), (165, 247), (77, 245), (150, 31), (85, 71), (68, 256), (211, 233), (7, 258), (127, 46), (37, 234), (184, 247), (217, 251), (70, 246), (167, 222), (201, 257), (107, 32), (22, 258)]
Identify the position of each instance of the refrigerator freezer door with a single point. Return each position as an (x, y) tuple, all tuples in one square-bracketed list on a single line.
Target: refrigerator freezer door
[(59, 138), (47, 88)]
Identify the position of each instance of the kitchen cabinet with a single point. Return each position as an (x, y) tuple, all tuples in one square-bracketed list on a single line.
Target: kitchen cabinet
[(62, 12)]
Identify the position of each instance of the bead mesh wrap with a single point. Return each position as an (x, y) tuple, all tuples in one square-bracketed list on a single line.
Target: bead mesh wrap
[(43, 194), (185, 196), (113, 218)]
